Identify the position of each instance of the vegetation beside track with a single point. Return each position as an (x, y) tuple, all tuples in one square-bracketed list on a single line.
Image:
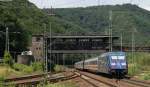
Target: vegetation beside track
[(20, 69), (144, 76), (139, 65), (34, 67), (59, 68), (8, 71)]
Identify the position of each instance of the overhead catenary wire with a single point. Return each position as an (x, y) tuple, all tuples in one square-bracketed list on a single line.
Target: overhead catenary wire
[(50, 57), (110, 31), (45, 48)]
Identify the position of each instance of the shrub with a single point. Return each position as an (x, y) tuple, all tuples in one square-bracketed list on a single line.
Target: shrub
[(37, 66), (8, 58), (2, 81), (18, 67), (2, 78), (28, 69), (147, 77), (23, 68)]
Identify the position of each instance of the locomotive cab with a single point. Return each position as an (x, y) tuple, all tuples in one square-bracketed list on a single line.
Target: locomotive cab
[(118, 63)]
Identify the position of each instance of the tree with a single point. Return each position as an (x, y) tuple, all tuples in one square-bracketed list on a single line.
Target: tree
[(8, 58)]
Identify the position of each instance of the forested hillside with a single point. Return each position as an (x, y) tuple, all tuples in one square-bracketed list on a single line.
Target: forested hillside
[(125, 18), (24, 17)]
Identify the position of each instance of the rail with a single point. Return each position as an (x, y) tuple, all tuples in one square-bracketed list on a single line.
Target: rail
[(36, 79), (94, 77), (137, 82)]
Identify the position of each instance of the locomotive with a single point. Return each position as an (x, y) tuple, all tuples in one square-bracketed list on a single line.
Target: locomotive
[(112, 63)]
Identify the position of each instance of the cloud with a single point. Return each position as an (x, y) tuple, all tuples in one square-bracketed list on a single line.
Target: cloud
[(83, 3), (146, 7)]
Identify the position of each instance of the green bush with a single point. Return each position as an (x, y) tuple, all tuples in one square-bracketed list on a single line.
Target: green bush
[(23, 68), (2, 81), (28, 69), (2, 78), (147, 77), (37, 66), (8, 59), (19, 67)]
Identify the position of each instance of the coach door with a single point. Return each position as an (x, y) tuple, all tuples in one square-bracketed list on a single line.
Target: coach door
[(99, 63)]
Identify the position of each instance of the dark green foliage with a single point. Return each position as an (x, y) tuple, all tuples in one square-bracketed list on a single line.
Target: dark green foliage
[(24, 17), (51, 66), (8, 58), (125, 19), (10, 17), (63, 27), (2, 79)]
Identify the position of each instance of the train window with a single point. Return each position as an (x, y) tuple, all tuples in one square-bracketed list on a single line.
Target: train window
[(114, 57), (118, 57), (121, 57)]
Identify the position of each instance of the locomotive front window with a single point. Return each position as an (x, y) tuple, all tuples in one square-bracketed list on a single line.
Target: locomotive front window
[(121, 57), (115, 59), (118, 57)]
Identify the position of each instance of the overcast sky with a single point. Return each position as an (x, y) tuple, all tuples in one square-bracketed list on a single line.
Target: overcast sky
[(84, 3)]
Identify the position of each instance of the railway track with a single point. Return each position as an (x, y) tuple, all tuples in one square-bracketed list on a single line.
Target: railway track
[(36, 79), (95, 81), (112, 82), (137, 82), (25, 77)]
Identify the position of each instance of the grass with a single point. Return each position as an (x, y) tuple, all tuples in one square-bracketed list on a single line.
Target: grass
[(59, 68), (20, 69), (138, 64), (7, 71)]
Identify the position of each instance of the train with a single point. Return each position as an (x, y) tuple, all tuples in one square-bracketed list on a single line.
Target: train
[(112, 63)]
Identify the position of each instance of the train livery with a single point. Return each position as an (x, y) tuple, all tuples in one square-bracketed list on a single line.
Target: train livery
[(113, 63)]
